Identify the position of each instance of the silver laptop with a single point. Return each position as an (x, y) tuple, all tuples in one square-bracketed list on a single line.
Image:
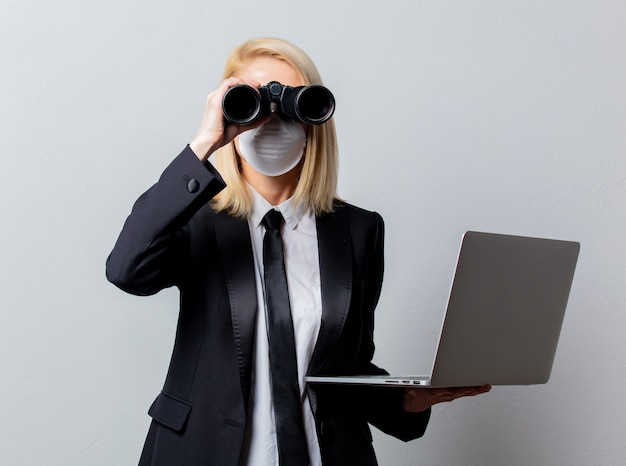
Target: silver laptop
[(504, 314)]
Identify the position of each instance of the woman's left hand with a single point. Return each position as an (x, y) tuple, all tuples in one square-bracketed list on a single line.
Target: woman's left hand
[(420, 399)]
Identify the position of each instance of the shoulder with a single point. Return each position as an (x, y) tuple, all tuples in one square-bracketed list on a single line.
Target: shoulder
[(364, 227), (355, 214)]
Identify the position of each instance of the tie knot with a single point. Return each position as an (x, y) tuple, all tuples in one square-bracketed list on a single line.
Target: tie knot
[(273, 220)]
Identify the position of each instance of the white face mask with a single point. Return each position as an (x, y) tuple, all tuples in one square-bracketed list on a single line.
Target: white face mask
[(274, 148)]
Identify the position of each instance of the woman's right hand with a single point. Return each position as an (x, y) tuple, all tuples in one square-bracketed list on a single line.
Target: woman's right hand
[(215, 131)]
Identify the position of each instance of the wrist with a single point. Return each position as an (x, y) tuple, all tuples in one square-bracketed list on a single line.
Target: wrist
[(202, 148)]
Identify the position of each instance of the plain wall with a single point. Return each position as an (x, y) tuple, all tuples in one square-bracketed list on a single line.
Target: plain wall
[(452, 115)]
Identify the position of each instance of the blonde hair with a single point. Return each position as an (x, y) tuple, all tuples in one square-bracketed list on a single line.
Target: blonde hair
[(317, 185)]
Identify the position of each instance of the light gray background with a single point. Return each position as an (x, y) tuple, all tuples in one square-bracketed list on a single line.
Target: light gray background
[(452, 115)]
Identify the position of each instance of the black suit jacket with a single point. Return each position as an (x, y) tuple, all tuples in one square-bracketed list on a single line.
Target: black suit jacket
[(173, 238)]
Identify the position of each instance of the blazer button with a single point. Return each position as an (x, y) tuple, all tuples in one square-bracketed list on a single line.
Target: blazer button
[(193, 186)]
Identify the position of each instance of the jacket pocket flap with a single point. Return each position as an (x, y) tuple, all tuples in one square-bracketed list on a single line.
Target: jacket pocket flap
[(169, 411)]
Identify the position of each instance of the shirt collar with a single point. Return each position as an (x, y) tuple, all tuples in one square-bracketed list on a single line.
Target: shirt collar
[(292, 213)]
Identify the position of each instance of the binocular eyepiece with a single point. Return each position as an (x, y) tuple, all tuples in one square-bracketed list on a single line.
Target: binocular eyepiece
[(312, 105)]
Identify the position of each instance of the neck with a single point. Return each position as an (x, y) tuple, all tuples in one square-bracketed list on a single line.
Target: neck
[(274, 189)]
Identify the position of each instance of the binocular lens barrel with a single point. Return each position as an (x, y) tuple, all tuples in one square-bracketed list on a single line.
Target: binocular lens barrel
[(241, 104), (312, 105)]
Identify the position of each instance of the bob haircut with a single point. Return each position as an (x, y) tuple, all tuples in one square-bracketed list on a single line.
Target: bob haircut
[(317, 185)]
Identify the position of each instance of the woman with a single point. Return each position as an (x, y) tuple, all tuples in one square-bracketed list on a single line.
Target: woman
[(201, 228)]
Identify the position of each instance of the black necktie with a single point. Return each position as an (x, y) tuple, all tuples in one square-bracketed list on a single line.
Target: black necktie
[(292, 447)]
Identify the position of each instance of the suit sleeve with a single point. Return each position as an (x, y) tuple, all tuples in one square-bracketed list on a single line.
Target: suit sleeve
[(144, 259)]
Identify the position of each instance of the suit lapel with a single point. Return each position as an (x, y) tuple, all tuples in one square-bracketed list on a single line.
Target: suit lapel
[(235, 248), (335, 257)]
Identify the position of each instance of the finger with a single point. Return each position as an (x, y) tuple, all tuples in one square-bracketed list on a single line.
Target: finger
[(479, 389), (218, 94), (232, 131), (234, 81), (250, 82), (470, 391), (260, 122)]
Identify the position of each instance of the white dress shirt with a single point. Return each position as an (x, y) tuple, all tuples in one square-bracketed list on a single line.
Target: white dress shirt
[(299, 235)]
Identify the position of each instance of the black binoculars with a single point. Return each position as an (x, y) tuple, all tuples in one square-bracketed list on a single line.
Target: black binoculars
[(312, 105)]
